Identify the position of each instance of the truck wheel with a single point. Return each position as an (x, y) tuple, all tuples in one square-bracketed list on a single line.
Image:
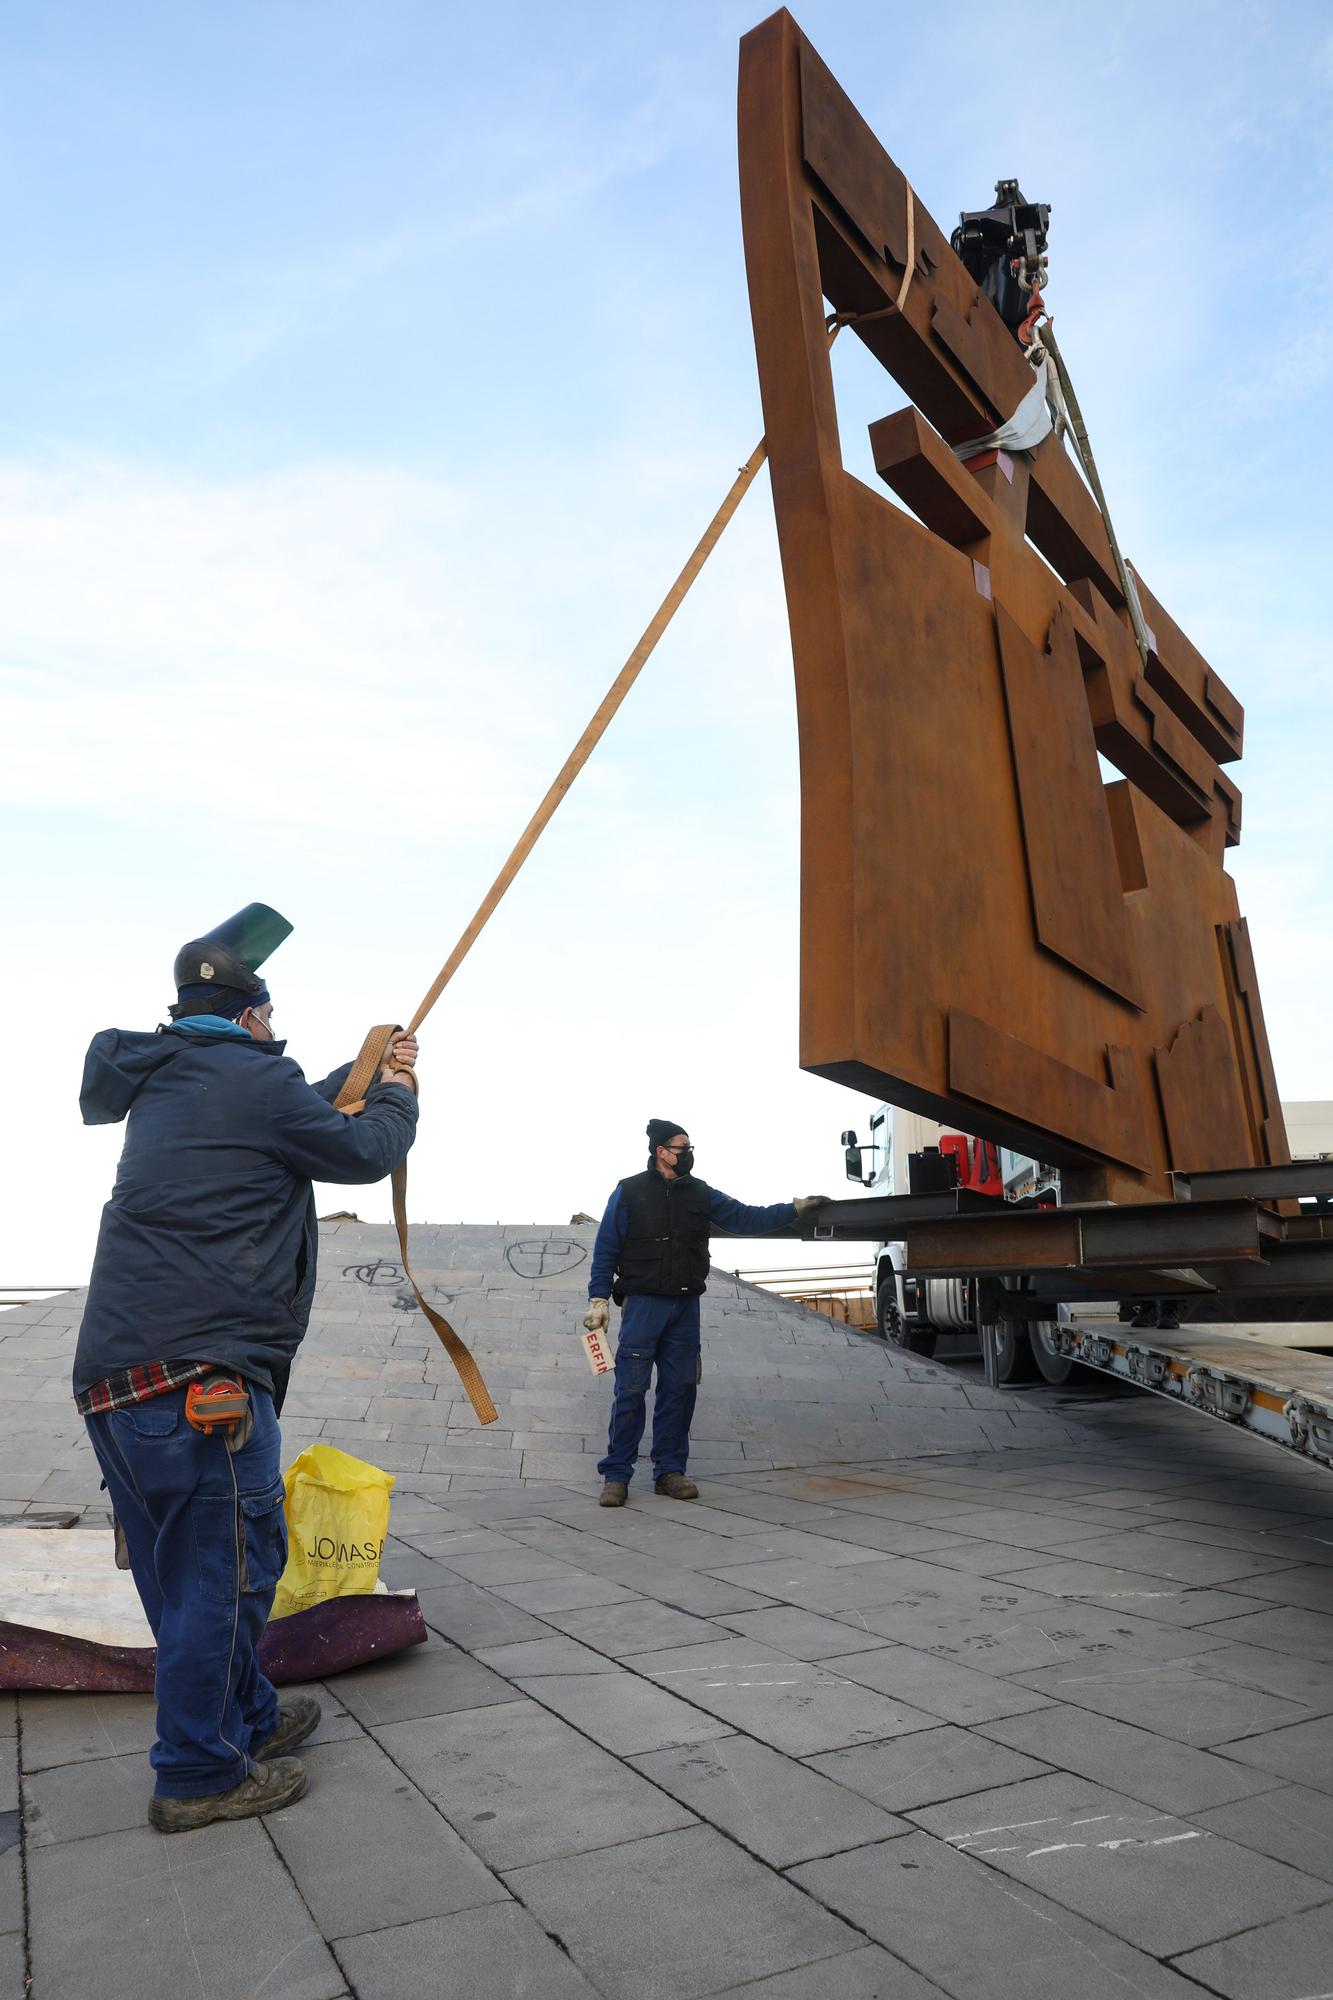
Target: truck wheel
[(916, 1340), (1053, 1366), (1014, 1358)]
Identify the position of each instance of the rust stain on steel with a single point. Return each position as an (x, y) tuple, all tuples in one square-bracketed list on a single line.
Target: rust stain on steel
[(990, 934)]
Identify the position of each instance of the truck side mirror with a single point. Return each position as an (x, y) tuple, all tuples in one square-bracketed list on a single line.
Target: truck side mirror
[(852, 1158)]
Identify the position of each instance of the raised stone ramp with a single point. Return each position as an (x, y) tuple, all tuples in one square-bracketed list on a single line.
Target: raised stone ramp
[(782, 1386)]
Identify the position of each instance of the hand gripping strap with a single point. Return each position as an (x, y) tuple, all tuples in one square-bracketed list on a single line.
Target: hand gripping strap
[(351, 1099)]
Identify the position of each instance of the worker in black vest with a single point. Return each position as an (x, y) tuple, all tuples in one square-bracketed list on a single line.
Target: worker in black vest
[(651, 1257)]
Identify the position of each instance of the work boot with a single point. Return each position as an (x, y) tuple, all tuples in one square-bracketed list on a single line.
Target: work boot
[(675, 1486), (614, 1494), (299, 1719), (268, 1788)]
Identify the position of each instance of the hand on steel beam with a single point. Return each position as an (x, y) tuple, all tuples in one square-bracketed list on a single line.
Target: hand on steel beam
[(805, 1204)]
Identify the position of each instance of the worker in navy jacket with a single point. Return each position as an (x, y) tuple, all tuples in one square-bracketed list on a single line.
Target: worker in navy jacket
[(651, 1257), (205, 1268)]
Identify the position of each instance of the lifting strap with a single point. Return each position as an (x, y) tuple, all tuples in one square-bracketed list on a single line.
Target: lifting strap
[(351, 1099), (364, 1071)]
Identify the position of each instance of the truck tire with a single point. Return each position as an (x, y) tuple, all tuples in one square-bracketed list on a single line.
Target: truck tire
[(916, 1340), (1052, 1366), (1015, 1360)]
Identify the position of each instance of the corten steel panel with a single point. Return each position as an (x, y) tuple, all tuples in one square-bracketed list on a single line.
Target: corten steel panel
[(1200, 1093), (990, 935)]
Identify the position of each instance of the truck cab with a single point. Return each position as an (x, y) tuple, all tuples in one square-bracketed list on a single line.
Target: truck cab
[(905, 1153)]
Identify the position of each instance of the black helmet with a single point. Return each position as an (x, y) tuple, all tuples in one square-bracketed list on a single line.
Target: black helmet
[(231, 954)]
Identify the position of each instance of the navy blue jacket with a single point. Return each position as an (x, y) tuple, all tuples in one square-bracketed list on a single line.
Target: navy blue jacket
[(208, 1244), (729, 1217)]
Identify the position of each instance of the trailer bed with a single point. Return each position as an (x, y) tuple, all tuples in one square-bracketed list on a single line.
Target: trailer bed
[(1250, 1380)]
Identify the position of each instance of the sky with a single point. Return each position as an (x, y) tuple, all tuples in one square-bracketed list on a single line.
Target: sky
[(370, 371)]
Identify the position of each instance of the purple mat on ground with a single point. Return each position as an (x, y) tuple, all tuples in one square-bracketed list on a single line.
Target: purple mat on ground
[(308, 1646)]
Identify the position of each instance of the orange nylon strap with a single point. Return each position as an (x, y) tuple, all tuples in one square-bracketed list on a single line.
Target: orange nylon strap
[(351, 1099)]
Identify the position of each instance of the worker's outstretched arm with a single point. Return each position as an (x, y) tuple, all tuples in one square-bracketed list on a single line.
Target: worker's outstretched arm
[(606, 1250), (311, 1138), (734, 1218)]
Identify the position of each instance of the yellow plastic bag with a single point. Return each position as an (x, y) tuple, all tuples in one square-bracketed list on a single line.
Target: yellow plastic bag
[(337, 1519)]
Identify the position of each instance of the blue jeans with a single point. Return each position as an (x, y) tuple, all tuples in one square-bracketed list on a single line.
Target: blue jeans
[(208, 1541), (662, 1333)]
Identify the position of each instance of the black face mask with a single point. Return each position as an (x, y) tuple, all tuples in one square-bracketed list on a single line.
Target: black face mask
[(685, 1161)]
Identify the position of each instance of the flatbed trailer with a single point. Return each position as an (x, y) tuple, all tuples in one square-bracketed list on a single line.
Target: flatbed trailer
[(1253, 1382), (1235, 1249)]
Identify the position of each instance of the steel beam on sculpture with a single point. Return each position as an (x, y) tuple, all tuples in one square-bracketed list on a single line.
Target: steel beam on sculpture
[(990, 934)]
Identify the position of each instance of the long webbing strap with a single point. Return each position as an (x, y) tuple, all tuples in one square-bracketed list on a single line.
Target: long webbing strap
[(351, 1099)]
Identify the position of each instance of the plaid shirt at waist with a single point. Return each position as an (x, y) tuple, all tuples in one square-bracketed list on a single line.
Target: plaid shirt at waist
[(138, 1385)]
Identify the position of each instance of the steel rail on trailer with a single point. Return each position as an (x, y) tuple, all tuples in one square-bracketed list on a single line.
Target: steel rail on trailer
[(1236, 1247), (1282, 1394)]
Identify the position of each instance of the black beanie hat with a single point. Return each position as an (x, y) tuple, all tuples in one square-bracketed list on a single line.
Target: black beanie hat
[(661, 1131)]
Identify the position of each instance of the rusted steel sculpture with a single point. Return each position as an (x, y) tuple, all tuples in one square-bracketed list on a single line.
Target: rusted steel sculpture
[(990, 934)]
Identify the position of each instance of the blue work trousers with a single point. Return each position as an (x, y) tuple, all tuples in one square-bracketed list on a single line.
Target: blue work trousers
[(661, 1333), (207, 1542)]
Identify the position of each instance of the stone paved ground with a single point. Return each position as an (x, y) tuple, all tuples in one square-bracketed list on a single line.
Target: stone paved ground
[(935, 1691)]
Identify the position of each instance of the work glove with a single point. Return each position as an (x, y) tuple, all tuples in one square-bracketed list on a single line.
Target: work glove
[(806, 1204), (598, 1316)]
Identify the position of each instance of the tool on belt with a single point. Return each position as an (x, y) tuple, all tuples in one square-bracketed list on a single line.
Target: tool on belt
[(220, 1402)]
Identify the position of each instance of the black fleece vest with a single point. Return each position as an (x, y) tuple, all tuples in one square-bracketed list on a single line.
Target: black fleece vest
[(665, 1251)]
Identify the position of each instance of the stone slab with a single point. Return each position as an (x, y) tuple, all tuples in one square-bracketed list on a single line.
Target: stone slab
[(868, 1974), (802, 1635), (978, 1936), (13, 1971), (1178, 1699), (358, 1807), (497, 1953), (1287, 1960), (1031, 1527), (516, 1565), (1293, 1824), (1155, 1880), (124, 1915), (69, 1728), (944, 1763), (777, 1809), (1172, 1776), (1282, 1627), (434, 1679), (472, 1618), (1157, 1553), (691, 1909), (623, 1712), (571, 1592), (797, 1706), (998, 1638), (1307, 1585), (535, 1657), (523, 1786), (937, 1687), (74, 1801), (815, 1587), (11, 1875), (1302, 1752), (1148, 1596), (637, 1627)]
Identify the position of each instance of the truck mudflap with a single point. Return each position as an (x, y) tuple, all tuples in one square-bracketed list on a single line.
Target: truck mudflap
[(1281, 1394)]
